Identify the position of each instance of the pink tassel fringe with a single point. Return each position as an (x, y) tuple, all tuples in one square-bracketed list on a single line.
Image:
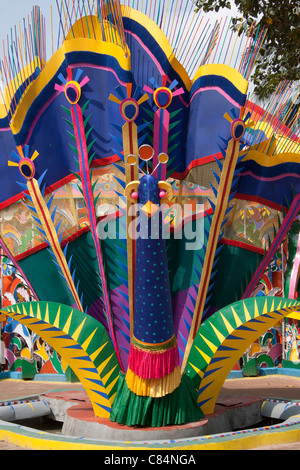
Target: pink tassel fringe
[(153, 365)]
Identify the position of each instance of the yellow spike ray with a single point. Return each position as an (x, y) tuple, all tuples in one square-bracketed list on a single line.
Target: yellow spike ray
[(211, 345), (38, 312), (144, 98), (205, 356), (86, 343), (111, 385), (106, 377), (238, 321), (256, 312), (12, 163), (34, 155), (266, 309), (196, 369), (219, 335), (31, 310), (24, 311), (227, 117), (46, 319), (57, 318), (247, 314), (103, 364), (96, 353), (76, 333), (66, 328), (114, 98), (226, 323), (272, 307)]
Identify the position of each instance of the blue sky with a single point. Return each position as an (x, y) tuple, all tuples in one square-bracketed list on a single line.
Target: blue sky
[(14, 11)]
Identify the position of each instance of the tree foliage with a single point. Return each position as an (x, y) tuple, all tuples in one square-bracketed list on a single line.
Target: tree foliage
[(279, 57)]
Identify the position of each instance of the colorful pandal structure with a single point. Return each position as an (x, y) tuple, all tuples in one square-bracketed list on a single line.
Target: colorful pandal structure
[(143, 198)]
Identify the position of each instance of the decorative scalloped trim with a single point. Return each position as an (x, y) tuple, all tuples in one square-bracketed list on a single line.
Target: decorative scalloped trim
[(154, 388)]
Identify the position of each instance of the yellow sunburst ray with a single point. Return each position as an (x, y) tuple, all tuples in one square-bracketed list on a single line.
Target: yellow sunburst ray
[(57, 318), (114, 99), (66, 327), (87, 342), (95, 354), (103, 364), (196, 369), (38, 312), (34, 155), (205, 356), (218, 333), (46, 319), (211, 345), (237, 319), (228, 326), (246, 312), (111, 385), (77, 332)]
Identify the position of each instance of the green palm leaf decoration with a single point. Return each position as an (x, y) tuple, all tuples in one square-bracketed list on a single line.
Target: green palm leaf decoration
[(81, 341), (224, 337)]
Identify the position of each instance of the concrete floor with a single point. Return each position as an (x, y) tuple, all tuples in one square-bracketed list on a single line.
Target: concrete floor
[(277, 386), (10, 389)]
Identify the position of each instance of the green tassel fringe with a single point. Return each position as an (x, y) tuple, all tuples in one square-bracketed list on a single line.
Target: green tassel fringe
[(178, 407)]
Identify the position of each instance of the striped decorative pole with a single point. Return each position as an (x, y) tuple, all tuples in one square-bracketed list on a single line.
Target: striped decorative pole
[(162, 98), (43, 217), (72, 90), (238, 128), (129, 110)]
